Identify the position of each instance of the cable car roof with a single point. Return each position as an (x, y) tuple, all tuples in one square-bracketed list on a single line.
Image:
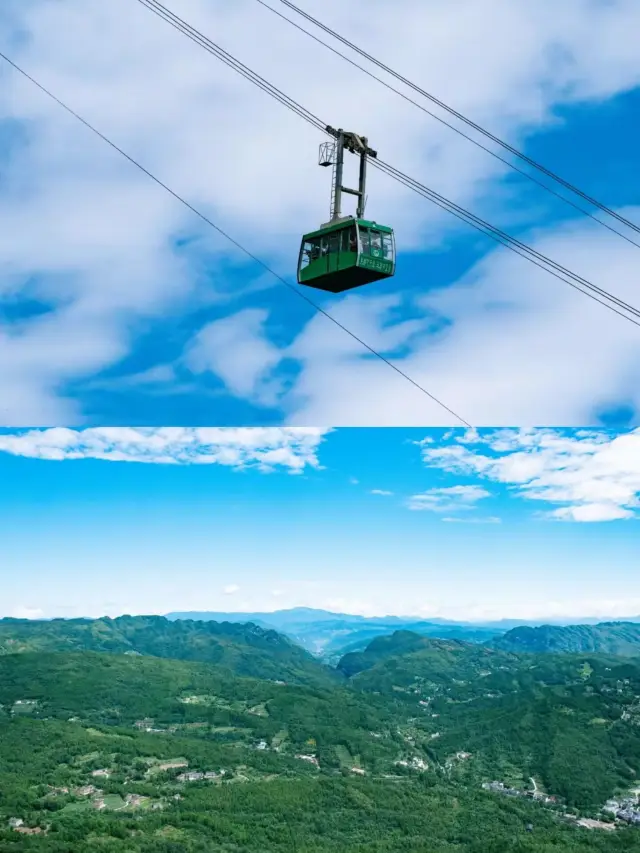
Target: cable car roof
[(345, 223)]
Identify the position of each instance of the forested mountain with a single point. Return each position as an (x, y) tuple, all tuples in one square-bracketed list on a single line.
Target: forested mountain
[(571, 720), (133, 753), (256, 810), (613, 638), (433, 653), (244, 649), (374, 777)]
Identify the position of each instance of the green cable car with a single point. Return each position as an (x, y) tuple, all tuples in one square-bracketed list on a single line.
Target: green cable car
[(348, 251), (345, 254)]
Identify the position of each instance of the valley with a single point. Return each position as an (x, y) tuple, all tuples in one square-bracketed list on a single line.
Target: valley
[(144, 733)]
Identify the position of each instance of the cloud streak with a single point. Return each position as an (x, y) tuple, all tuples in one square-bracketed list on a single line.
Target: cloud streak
[(270, 448), (451, 499)]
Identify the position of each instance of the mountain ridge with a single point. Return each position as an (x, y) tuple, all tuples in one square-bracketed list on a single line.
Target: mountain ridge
[(329, 636), (243, 648), (616, 637)]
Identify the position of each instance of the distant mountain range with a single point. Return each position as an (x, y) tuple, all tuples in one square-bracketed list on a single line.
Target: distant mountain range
[(307, 648), (331, 635)]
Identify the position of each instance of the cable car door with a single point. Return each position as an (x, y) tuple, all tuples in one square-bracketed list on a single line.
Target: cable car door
[(333, 254)]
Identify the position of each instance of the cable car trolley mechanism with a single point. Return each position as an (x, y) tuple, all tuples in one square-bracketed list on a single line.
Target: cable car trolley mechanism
[(347, 251)]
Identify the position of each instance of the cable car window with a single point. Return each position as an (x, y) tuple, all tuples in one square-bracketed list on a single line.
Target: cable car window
[(387, 246), (376, 244), (310, 252), (364, 240)]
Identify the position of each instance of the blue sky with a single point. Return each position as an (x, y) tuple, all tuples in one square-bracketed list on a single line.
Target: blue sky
[(500, 523), (118, 306)]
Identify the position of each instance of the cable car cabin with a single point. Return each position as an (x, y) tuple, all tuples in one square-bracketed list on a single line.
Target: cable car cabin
[(345, 254)]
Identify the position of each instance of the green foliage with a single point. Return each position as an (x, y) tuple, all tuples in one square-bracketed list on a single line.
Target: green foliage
[(612, 638), (285, 815), (244, 649), (572, 722)]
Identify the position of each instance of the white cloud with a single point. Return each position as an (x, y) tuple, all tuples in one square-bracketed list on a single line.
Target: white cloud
[(380, 492), (105, 255), (452, 499), (27, 613), (237, 350), (231, 589), (589, 475), (267, 448)]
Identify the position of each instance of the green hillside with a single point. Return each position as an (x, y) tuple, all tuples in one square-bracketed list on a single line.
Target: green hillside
[(437, 655), (253, 810), (244, 649), (392, 758), (178, 698), (572, 721), (612, 638)]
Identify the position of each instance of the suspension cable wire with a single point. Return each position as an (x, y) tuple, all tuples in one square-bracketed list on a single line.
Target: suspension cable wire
[(224, 56), (235, 242), (540, 260), (529, 160), (452, 127), (520, 248)]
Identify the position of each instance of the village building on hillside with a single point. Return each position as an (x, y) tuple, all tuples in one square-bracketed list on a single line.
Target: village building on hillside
[(198, 776), (54, 792), (501, 788), (191, 776), (416, 763), (86, 791), (629, 815)]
